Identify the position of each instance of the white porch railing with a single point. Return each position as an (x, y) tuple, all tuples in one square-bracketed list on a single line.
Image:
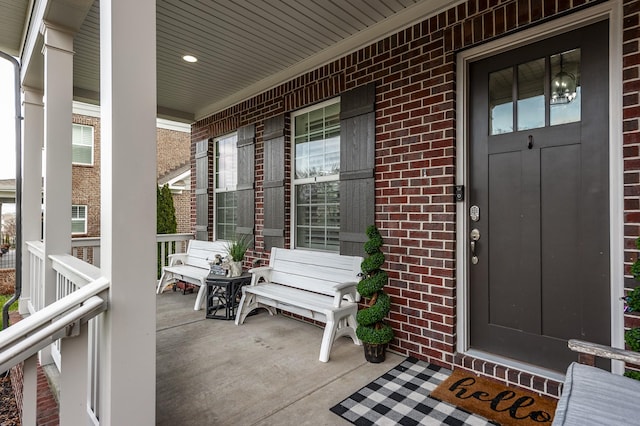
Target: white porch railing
[(87, 249), (62, 319), (71, 275), (75, 273), (35, 282)]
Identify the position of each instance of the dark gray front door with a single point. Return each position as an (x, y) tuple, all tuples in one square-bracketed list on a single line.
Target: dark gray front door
[(539, 178)]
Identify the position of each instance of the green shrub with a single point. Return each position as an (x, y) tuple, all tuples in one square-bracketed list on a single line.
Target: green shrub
[(632, 300), (632, 338), (632, 374)]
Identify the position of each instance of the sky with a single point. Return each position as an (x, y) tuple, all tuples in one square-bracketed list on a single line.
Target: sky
[(7, 122)]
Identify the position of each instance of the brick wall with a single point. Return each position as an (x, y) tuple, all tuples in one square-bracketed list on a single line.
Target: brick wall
[(182, 205), (631, 142), (86, 179), (414, 73), (172, 152)]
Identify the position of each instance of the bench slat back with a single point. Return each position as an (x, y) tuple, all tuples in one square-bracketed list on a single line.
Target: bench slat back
[(313, 271), (199, 252)]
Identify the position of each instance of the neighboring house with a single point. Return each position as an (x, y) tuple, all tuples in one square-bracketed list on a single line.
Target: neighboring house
[(179, 181), (173, 159)]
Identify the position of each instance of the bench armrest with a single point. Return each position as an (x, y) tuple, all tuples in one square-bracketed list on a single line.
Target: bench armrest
[(263, 272), (589, 351), (345, 290), (176, 258)]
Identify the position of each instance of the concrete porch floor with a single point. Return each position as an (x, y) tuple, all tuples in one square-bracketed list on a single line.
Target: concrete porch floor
[(264, 372)]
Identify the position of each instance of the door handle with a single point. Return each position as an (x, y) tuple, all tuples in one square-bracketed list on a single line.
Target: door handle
[(475, 236)]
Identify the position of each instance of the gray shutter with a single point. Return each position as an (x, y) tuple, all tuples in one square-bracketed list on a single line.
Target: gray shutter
[(357, 163), (202, 189), (245, 186), (273, 137)]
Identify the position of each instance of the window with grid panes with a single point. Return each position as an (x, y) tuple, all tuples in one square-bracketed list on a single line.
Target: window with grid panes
[(225, 188), (82, 144), (316, 139), (78, 219)]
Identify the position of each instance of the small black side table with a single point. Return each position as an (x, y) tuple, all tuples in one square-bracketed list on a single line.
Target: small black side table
[(223, 295)]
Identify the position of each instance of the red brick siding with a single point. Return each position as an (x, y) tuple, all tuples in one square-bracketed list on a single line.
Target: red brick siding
[(173, 150), (47, 413), (414, 73), (182, 204), (631, 140)]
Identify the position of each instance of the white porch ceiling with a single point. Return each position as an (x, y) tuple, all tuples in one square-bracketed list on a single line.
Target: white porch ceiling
[(243, 46)]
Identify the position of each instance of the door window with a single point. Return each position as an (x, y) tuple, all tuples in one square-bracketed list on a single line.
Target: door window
[(501, 101), (565, 87), (531, 95), (546, 93)]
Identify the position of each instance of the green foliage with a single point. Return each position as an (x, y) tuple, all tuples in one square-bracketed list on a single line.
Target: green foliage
[(238, 247), (375, 240), (377, 312), (165, 221), (632, 374), (632, 338), (375, 336), (371, 327), (632, 300), (166, 213), (372, 263), (371, 284)]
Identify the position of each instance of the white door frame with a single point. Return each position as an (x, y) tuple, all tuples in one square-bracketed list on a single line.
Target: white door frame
[(613, 11)]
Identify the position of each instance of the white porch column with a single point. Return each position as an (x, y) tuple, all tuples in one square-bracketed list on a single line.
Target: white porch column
[(128, 194), (32, 136), (58, 97)]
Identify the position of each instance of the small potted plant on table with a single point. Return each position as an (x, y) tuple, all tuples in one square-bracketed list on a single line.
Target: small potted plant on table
[(236, 250), (372, 330)]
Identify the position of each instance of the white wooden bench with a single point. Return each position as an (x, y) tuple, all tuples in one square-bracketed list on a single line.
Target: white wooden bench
[(316, 285), (192, 267), (591, 396)]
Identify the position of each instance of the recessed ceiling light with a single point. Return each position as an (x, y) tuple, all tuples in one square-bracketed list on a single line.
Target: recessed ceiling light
[(190, 58)]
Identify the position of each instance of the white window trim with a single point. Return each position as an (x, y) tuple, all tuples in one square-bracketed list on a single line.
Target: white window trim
[(93, 144), (86, 211), (219, 190), (316, 179)]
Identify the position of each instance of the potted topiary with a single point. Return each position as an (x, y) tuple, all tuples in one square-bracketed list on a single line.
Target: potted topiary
[(372, 330), (236, 250)]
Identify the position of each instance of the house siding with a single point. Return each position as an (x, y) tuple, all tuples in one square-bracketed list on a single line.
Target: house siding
[(172, 152), (86, 179), (414, 72)]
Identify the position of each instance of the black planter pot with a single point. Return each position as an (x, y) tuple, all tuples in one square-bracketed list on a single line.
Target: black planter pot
[(374, 353)]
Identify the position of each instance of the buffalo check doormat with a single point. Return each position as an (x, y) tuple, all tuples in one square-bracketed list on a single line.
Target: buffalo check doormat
[(401, 397)]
